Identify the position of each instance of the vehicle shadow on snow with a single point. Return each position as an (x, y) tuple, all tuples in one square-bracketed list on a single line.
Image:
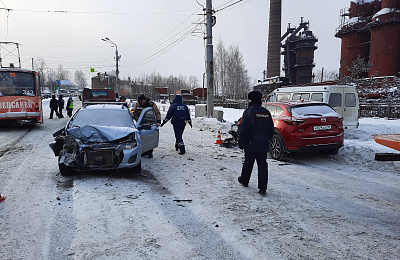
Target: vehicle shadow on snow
[(142, 176), (306, 157)]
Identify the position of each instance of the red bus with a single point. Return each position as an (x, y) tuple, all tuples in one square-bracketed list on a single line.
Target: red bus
[(20, 100)]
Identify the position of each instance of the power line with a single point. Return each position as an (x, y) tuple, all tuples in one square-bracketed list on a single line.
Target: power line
[(96, 12)]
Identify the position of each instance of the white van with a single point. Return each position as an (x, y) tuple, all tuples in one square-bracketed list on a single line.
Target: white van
[(343, 98)]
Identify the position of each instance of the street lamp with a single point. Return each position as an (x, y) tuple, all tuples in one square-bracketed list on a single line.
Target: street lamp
[(117, 57)]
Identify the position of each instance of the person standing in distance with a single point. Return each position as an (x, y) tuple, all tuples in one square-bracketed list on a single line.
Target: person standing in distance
[(54, 107), (70, 106), (179, 115), (256, 130), (60, 105)]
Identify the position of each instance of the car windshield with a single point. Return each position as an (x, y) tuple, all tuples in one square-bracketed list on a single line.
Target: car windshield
[(312, 111), (103, 117)]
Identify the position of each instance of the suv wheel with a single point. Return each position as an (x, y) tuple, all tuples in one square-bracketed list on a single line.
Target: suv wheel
[(276, 147)]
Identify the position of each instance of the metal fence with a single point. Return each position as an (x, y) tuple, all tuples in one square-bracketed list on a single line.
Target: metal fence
[(383, 110)]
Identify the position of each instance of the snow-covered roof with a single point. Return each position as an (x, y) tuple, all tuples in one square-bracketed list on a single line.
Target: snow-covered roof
[(364, 1), (353, 20), (386, 11)]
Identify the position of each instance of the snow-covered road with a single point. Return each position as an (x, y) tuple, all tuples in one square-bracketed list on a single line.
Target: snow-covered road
[(191, 207)]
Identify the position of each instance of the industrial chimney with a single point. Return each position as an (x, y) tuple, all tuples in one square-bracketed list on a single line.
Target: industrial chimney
[(274, 39)]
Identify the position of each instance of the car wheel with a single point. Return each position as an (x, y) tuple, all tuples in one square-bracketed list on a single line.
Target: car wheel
[(276, 147), (138, 167), (65, 170)]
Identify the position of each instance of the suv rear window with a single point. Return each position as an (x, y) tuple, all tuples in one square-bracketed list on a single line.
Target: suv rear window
[(312, 110)]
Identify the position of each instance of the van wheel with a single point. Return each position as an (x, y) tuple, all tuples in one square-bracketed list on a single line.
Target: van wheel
[(276, 147), (138, 167)]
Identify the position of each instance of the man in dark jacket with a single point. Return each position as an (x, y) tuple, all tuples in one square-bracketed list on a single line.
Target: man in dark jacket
[(179, 115), (256, 129), (60, 105), (142, 103), (53, 107)]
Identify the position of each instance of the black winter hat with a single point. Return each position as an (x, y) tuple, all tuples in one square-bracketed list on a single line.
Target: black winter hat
[(255, 96), (141, 97)]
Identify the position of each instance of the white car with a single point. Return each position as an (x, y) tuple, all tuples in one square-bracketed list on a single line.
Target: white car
[(104, 137)]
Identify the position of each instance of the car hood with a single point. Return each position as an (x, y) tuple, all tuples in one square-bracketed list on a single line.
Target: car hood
[(98, 134)]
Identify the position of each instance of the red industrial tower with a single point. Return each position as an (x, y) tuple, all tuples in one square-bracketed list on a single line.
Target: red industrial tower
[(385, 40), (371, 33)]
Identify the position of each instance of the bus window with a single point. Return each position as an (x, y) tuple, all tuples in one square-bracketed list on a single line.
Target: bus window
[(301, 96), (335, 99), (281, 97), (350, 100), (317, 97)]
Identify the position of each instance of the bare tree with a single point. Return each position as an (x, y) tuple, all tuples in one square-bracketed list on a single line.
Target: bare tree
[(40, 67), (80, 79), (62, 73), (231, 76)]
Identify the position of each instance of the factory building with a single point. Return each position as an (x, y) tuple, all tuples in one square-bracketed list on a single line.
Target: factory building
[(370, 32)]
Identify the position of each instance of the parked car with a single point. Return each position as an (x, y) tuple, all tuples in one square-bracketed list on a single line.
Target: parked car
[(46, 95), (304, 126), (105, 137)]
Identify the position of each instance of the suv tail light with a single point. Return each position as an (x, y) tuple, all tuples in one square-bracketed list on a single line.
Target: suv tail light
[(294, 122)]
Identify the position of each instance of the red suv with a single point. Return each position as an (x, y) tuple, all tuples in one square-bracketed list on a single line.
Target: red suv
[(304, 126)]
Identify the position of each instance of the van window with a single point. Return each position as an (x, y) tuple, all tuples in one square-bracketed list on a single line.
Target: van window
[(299, 96), (350, 100), (317, 97), (335, 99), (280, 97)]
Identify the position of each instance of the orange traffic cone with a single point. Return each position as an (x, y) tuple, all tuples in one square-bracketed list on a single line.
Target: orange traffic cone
[(219, 141)]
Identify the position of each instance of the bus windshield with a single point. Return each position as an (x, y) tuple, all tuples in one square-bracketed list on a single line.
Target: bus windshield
[(17, 83)]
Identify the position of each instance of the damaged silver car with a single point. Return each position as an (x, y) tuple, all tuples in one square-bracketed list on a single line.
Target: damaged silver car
[(105, 137)]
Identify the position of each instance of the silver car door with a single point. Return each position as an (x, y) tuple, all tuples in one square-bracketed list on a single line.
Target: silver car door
[(148, 129)]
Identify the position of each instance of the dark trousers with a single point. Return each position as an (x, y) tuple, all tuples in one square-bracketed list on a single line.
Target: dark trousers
[(52, 111), (60, 112), (178, 130), (69, 112), (261, 158)]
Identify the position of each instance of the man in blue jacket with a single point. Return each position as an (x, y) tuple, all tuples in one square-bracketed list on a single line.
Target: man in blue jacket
[(256, 129), (179, 115)]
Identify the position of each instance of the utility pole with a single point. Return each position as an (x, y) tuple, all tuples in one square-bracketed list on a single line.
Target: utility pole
[(210, 60), (117, 57)]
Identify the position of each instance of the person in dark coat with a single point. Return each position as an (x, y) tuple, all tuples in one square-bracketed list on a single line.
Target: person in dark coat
[(142, 103), (53, 107), (60, 105), (179, 115), (70, 106), (256, 129)]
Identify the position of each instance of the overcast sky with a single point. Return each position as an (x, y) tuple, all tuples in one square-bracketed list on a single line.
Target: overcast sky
[(156, 35)]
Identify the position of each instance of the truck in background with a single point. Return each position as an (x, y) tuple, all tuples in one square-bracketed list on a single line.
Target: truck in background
[(98, 95)]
